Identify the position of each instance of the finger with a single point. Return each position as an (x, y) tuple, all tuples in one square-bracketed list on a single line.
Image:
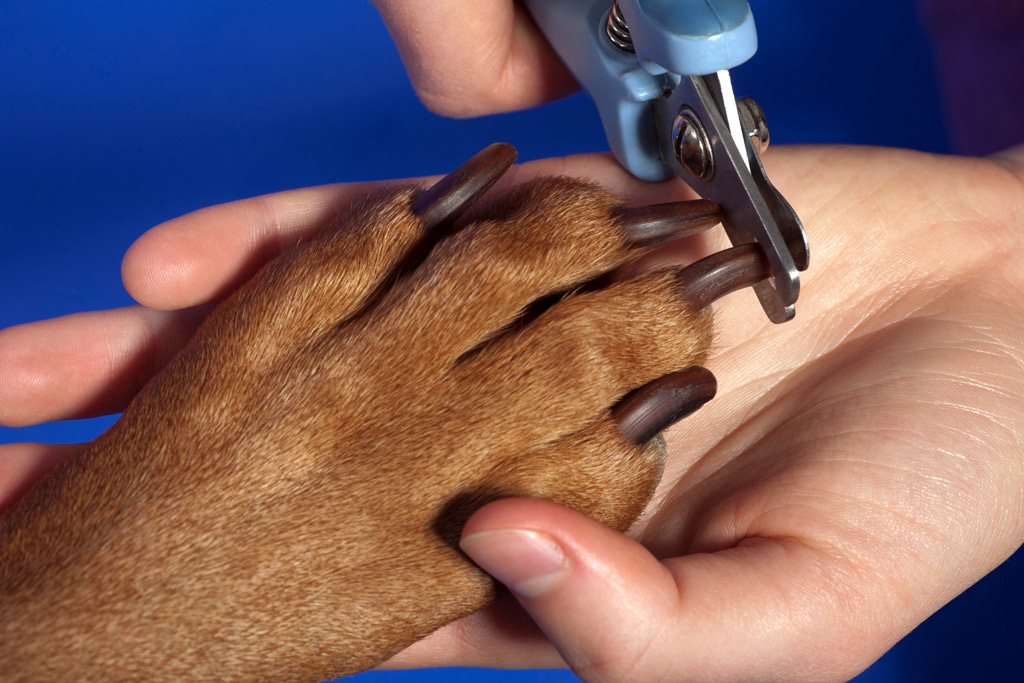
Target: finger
[(767, 608), (199, 257), (85, 364), (502, 636), (470, 57), (23, 464)]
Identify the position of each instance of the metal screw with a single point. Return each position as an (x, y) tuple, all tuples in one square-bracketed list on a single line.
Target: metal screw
[(755, 123), (693, 149)]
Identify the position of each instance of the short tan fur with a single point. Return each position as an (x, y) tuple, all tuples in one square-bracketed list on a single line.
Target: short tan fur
[(283, 501)]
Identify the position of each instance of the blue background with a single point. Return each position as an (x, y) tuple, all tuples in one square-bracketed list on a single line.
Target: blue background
[(115, 116)]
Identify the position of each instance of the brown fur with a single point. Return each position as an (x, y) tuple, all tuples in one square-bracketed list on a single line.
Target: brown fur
[(282, 501)]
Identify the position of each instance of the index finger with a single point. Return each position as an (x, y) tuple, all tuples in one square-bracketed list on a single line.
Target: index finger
[(200, 257)]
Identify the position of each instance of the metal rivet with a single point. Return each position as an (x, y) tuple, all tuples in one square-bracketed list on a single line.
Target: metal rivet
[(755, 123), (693, 149)]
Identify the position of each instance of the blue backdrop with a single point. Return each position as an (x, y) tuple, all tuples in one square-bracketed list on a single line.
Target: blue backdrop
[(115, 116)]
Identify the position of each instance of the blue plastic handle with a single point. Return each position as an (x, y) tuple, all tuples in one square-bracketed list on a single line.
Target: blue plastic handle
[(672, 38), (691, 37)]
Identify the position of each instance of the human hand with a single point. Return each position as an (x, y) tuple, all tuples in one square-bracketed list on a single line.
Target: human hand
[(860, 467), (474, 57)]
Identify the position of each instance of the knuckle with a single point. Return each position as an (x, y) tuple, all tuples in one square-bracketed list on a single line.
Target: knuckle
[(455, 103)]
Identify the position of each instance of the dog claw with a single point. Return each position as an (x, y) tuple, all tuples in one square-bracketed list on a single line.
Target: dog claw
[(658, 405), (647, 225), (713, 277), (445, 201)]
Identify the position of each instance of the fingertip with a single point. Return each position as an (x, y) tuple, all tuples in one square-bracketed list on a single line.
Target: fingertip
[(163, 273), (200, 257)]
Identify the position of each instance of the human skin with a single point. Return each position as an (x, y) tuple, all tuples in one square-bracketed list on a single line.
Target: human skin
[(500, 65), (492, 57), (860, 467)]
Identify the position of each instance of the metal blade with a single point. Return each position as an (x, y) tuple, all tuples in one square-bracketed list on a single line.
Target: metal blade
[(732, 114)]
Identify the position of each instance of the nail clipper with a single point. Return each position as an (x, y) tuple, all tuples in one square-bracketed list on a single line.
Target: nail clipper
[(658, 72)]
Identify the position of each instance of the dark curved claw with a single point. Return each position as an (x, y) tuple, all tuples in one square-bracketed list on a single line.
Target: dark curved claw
[(448, 198), (713, 277), (647, 225), (656, 406)]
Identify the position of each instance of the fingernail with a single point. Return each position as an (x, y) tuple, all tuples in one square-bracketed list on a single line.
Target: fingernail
[(530, 563)]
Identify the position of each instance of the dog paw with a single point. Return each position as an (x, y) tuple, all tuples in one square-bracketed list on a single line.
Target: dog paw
[(283, 500)]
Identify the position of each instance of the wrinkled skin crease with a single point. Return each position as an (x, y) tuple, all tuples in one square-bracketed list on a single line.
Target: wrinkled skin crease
[(873, 444)]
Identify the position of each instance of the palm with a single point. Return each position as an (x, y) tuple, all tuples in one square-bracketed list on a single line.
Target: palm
[(874, 442), (881, 428)]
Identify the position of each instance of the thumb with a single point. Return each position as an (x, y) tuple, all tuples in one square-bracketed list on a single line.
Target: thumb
[(599, 596), (616, 613)]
